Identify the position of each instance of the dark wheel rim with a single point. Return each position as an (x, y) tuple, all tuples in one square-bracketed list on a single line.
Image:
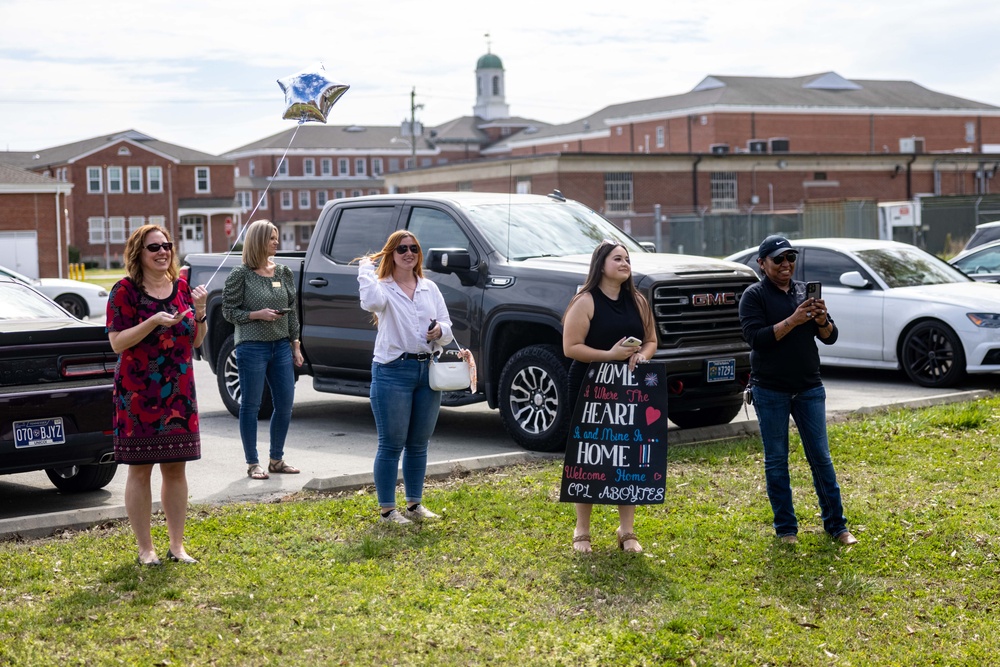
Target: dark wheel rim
[(930, 354), (534, 400), (74, 307), (232, 377)]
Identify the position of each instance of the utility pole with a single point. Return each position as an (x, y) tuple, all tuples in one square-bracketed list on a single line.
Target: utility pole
[(413, 125)]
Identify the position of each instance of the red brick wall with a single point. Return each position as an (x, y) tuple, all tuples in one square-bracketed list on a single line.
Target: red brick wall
[(36, 212)]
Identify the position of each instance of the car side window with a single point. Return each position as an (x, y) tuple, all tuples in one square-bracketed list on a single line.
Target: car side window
[(987, 261), (826, 266), (436, 229), (361, 230)]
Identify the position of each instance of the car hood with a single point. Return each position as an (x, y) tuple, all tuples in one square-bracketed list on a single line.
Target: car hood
[(979, 295)]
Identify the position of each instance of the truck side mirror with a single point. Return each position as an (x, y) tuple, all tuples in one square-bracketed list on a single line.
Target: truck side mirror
[(648, 245), (448, 260)]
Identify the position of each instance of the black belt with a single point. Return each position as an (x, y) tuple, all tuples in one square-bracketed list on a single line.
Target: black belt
[(418, 356)]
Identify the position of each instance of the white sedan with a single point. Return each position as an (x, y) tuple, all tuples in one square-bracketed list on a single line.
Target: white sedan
[(897, 306), (81, 299)]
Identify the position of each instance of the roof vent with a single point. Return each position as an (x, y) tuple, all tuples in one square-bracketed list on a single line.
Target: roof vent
[(831, 81), (354, 128)]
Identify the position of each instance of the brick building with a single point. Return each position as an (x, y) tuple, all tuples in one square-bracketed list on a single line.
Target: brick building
[(129, 179), (33, 224)]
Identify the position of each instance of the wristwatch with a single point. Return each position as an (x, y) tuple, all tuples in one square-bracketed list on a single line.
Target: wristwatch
[(202, 318)]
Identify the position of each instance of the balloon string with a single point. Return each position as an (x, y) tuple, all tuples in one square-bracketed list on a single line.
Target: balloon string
[(243, 228)]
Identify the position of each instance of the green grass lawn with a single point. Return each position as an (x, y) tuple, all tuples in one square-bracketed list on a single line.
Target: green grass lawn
[(106, 278), (314, 581)]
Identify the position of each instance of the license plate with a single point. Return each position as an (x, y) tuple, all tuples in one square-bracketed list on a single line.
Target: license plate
[(39, 432), (721, 370)]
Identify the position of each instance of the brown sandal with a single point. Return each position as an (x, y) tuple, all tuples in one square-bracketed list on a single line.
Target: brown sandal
[(281, 467), (581, 538), (626, 537), (256, 472)]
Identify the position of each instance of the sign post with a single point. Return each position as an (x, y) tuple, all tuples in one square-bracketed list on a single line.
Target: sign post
[(616, 452)]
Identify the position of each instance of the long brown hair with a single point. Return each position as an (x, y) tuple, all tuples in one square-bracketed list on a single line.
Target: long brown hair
[(134, 248), (596, 272), (385, 266)]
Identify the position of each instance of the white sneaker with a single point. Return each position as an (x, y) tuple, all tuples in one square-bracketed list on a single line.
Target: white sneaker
[(420, 512), (394, 517)]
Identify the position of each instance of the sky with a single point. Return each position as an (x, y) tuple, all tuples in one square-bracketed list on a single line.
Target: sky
[(204, 74)]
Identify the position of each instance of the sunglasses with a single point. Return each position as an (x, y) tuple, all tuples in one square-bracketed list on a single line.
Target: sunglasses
[(788, 256), (402, 249), (155, 247)]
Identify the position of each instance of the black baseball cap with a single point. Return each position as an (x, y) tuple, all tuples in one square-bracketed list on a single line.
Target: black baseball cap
[(774, 245)]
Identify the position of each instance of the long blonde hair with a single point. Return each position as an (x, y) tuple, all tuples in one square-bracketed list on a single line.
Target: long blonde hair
[(257, 243), (133, 254)]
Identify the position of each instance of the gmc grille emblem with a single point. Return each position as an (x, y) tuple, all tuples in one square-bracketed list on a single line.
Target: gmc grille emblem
[(718, 299)]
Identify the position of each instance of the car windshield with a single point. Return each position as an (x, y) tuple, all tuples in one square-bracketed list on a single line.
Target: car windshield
[(909, 267), (523, 231), (23, 303)]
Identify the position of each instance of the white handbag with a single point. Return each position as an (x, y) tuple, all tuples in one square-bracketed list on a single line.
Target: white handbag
[(449, 372)]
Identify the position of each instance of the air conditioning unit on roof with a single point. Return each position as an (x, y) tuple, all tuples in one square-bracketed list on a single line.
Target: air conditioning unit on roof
[(718, 149), (756, 146), (911, 145), (778, 144)]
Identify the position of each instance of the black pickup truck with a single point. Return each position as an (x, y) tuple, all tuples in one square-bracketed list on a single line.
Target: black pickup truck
[(507, 266)]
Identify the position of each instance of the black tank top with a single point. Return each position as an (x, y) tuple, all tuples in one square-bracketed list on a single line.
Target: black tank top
[(613, 320)]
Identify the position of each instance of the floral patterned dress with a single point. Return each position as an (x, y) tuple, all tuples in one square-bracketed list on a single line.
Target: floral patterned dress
[(156, 411)]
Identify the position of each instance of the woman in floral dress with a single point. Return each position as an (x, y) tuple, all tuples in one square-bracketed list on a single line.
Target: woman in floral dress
[(155, 320)]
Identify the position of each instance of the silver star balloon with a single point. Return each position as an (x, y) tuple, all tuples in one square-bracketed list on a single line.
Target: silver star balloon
[(309, 95)]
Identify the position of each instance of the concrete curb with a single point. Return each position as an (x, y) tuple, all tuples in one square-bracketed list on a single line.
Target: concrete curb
[(44, 525)]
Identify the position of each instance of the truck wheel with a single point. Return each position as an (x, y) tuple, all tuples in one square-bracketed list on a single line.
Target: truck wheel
[(76, 479), (228, 378), (716, 416), (534, 403)]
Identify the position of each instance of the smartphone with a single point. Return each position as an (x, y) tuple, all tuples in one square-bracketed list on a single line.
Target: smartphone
[(432, 325), (284, 311), (814, 290), (631, 341)]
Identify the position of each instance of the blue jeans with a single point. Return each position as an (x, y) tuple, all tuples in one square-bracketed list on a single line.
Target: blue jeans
[(406, 411), (808, 408), (258, 362)]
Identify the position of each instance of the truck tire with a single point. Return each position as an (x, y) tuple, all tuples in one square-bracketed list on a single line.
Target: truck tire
[(534, 398), (227, 377), (722, 414), (77, 479)]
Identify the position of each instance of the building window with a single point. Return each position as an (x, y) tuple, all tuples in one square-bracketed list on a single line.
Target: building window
[(373, 191), (320, 198), (114, 179), (245, 199), (262, 199), (355, 193), (252, 169), (618, 192), (326, 167), (661, 135), (135, 222), (343, 167), (283, 167), (116, 229), (524, 185), (305, 233), (724, 195), (426, 161), (464, 186), (393, 164), (359, 166), (201, 180), (970, 133), (338, 194), (160, 220), (236, 171), (286, 200), (95, 230), (376, 166), (135, 179), (94, 181), (154, 179), (308, 167), (819, 175), (304, 199), (496, 85)]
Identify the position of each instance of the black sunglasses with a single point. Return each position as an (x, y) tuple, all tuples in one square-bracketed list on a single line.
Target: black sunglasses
[(401, 249), (155, 247), (788, 256)]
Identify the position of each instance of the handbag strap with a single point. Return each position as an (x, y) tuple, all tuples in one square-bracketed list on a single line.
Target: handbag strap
[(444, 348)]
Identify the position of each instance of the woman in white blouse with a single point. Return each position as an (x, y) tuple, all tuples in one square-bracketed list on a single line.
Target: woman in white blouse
[(412, 318)]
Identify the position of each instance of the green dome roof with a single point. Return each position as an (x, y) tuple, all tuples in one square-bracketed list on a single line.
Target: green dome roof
[(489, 61)]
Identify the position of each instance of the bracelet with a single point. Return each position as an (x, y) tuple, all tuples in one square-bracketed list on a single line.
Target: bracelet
[(202, 318)]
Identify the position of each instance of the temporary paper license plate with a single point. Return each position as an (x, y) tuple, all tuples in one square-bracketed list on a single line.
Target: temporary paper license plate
[(721, 370), (39, 432)]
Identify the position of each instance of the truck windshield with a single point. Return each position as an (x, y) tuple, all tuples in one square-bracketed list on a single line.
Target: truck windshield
[(523, 231)]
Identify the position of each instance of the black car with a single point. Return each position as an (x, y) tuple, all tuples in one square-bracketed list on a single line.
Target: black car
[(56, 375)]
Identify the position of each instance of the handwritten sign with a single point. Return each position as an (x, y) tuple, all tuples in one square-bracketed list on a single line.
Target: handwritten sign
[(616, 452)]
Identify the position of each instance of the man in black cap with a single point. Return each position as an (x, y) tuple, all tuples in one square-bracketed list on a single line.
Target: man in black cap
[(781, 325)]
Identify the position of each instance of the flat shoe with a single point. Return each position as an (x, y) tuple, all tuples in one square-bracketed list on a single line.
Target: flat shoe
[(281, 467), (256, 472), (625, 537), (180, 559), (582, 538), (149, 563)]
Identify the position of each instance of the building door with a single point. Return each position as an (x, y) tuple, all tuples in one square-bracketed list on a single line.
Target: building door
[(287, 238), (192, 235), (19, 252)]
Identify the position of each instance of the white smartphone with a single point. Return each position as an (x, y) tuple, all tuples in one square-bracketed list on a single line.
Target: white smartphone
[(631, 341)]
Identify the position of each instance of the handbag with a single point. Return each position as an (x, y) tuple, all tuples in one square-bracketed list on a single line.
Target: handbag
[(451, 374)]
